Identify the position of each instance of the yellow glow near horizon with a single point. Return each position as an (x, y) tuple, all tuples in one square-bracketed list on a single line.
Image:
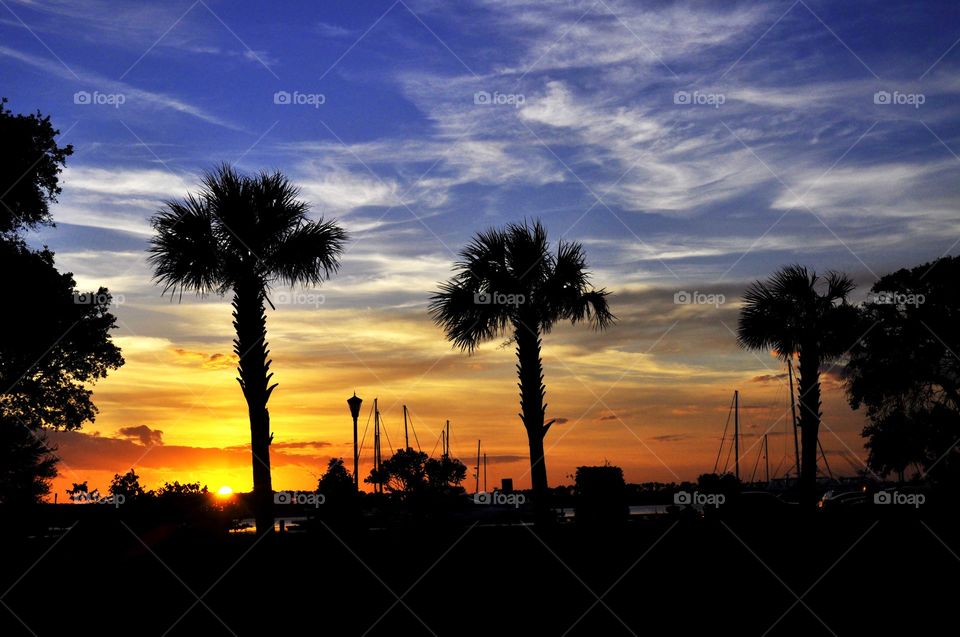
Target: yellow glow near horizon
[(225, 491)]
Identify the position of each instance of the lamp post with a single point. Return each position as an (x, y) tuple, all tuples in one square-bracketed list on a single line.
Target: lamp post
[(354, 404)]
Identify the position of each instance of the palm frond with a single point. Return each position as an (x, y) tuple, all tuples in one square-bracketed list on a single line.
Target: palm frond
[(762, 321), (527, 253), (839, 286), (466, 321), (278, 207), (230, 197), (567, 294), (788, 312), (306, 254), (594, 308), (516, 261), (185, 251), (484, 259)]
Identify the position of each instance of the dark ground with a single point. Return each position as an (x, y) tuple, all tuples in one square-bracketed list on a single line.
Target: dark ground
[(854, 576)]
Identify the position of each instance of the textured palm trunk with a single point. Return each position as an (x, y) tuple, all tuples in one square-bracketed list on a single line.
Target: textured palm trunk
[(250, 346), (532, 408), (809, 387)]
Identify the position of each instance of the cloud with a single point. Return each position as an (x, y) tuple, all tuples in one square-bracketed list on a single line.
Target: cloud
[(506, 458), (132, 27), (147, 437), (82, 451), (300, 444), (329, 30), (420, 173), (336, 189), (888, 190), (216, 360), (766, 378), (582, 35), (125, 183), (89, 81), (671, 437)]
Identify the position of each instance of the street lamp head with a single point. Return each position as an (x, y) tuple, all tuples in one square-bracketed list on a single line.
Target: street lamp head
[(354, 403)]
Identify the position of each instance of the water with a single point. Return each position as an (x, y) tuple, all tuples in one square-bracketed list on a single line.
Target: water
[(635, 509)]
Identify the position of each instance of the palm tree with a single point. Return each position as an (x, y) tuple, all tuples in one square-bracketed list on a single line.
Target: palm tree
[(243, 233), (796, 312), (509, 283)]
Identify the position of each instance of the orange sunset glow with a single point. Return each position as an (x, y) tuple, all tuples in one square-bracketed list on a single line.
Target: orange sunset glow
[(644, 395)]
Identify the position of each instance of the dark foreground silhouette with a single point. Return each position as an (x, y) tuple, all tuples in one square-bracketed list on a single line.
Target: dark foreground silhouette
[(854, 573)]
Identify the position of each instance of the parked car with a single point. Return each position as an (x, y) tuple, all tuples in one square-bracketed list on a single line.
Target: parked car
[(836, 500)]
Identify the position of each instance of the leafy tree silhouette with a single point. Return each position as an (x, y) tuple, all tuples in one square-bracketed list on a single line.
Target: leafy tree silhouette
[(336, 482), (81, 493), (509, 283), (57, 342), (175, 489), (796, 312), (244, 233), (905, 372), (409, 472), (406, 471), (445, 472), (30, 169), (28, 465), (601, 495), (54, 346), (128, 486)]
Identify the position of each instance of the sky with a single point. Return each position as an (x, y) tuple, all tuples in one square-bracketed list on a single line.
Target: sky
[(691, 147)]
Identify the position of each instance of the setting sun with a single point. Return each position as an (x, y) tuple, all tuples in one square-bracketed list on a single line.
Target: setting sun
[(225, 491)]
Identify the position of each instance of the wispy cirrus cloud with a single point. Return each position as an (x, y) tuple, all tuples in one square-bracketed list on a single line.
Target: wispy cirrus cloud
[(89, 81)]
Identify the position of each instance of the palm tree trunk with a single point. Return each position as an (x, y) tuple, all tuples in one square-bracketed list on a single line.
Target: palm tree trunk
[(532, 408), (809, 387), (250, 346)]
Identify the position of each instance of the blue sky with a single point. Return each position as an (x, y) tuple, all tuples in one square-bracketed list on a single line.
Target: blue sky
[(689, 146)]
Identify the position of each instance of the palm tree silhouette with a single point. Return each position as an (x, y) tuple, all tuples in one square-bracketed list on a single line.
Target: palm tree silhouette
[(243, 233), (510, 284), (796, 312)]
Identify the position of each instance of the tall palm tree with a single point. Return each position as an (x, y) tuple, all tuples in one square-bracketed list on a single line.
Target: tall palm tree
[(509, 283), (797, 312), (243, 233)]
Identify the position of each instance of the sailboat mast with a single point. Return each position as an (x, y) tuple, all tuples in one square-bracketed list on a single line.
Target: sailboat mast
[(484, 471), (793, 410), (824, 456), (378, 488), (406, 433), (476, 489), (736, 432), (766, 455)]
